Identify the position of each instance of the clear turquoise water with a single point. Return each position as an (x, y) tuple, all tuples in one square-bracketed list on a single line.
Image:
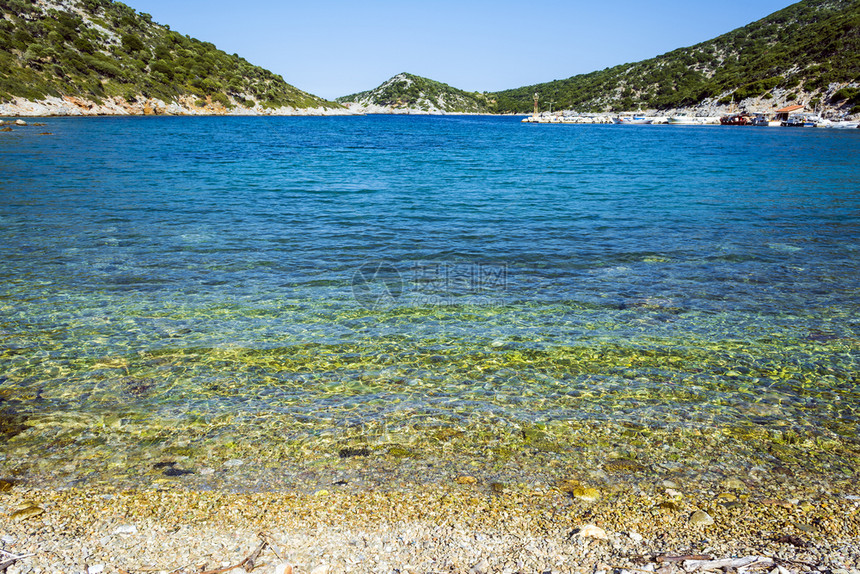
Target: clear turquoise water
[(204, 286)]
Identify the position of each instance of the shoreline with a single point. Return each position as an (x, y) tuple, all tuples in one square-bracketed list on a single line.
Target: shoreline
[(68, 106), (460, 526)]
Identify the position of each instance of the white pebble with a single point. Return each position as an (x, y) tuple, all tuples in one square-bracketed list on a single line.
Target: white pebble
[(592, 531), (125, 529), (234, 462), (96, 569), (7, 539)]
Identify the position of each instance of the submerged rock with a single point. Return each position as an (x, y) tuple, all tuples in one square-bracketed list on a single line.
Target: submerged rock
[(28, 511), (20, 123), (585, 493), (622, 465), (701, 518)]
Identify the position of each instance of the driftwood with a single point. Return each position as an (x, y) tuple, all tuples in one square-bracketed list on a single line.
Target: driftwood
[(666, 558), (9, 559), (740, 564), (248, 564)]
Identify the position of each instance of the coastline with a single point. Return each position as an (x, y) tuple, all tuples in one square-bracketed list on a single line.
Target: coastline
[(72, 106), (460, 526)]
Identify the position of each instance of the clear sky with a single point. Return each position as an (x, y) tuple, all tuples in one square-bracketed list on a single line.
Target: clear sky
[(333, 48)]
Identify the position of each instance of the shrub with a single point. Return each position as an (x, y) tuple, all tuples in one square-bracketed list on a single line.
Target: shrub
[(84, 45), (131, 43), (163, 67)]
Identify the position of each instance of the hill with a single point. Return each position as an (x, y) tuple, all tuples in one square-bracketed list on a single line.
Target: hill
[(807, 53), (407, 93), (101, 56)]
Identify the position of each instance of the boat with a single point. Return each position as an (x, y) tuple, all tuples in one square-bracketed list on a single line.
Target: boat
[(760, 120), (845, 125), (683, 120), (631, 120), (735, 120), (801, 121)]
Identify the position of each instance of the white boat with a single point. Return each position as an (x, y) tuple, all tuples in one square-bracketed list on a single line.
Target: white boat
[(683, 120), (760, 120), (845, 125), (801, 121), (631, 120)]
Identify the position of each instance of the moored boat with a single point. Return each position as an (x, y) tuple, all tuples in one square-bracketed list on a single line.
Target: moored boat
[(683, 120), (735, 120), (801, 121), (631, 120), (760, 120)]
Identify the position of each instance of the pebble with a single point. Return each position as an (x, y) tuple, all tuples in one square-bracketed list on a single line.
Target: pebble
[(592, 531), (26, 512), (20, 123), (466, 480), (585, 493), (701, 518), (7, 539), (734, 483), (284, 568), (623, 465), (480, 568), (321, 569), (234, 462), (125, 529), (96, 569)]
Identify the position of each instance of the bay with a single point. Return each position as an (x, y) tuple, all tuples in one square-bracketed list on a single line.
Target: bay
[(438, 288)]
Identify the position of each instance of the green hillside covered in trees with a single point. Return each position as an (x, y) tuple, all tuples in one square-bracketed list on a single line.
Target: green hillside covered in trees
[(95, 49), (802, 50)]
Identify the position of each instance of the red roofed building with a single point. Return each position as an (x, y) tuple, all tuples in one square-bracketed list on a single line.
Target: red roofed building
[(783, 113)]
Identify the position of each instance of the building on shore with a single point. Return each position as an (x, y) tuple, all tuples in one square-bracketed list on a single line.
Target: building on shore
[(782, 114)]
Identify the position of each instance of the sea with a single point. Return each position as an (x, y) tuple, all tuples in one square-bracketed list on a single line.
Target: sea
[(379, 301)]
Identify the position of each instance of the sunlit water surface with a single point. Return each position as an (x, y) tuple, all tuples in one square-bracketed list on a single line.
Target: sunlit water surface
[(411, 292)]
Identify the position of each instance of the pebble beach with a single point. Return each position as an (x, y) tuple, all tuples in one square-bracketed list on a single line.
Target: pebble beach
[(621, 520)]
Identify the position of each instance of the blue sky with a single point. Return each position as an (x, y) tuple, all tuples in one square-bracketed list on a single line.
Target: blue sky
[(333, 48)]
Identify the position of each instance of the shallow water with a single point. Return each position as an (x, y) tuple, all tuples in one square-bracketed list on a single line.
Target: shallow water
[(283, 289)]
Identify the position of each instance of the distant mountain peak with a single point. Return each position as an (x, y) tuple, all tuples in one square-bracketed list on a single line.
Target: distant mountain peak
[(407, 93)]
